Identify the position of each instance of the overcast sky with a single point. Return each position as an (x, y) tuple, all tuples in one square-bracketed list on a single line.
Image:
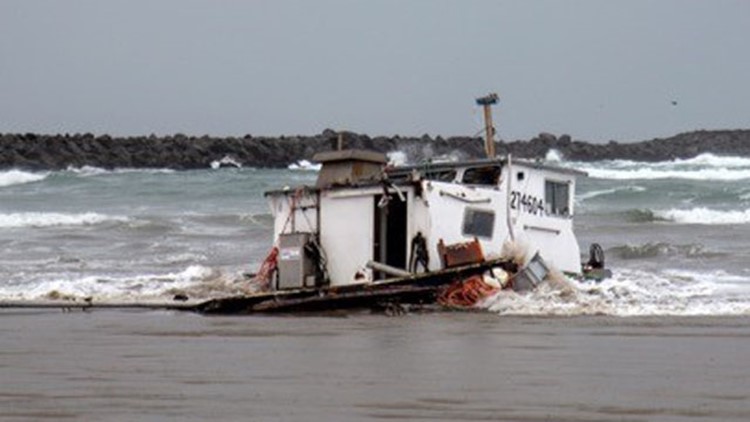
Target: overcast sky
[(598, 70)]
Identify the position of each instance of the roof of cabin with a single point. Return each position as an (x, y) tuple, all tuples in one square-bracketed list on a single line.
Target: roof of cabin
[(424, 167), (351, 155), (453, 165)]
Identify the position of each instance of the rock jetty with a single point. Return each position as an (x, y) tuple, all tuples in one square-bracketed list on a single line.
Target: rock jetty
[(55, 152)]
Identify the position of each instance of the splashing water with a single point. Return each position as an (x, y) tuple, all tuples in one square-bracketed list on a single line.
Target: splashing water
[(632, 293), (18, 177)]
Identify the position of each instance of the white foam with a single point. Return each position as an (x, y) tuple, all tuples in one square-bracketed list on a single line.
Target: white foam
[(397, 158), (305, 166), (50, 219), (450, 157), (194, 279), (702, 167), (702, 215), (634, 293), (226, 161), (653, 174), (604, 192), (717, 161), (88, 171), (19, 177), (553, 156)]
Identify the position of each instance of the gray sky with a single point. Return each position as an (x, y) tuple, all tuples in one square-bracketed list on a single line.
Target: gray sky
[(598, 70)]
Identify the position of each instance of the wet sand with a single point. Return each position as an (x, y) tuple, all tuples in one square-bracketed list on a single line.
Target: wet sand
[(164, 366)]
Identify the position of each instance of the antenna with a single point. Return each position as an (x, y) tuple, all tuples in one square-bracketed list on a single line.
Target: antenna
[(489, 130)]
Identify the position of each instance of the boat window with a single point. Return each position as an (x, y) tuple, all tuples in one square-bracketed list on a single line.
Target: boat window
[(487, 175), (478, 223), (557, 198), (441, 175)]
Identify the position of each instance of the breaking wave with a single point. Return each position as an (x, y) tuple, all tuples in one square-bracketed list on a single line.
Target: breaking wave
[(397, 158), (699, 215), (659, 250), (606, 192), (196, 281), (304, 165), (88, 171), (633, 293), (553, 156), (705, 216), (51, 219), (702, 167), (19, 177), (226, 161)]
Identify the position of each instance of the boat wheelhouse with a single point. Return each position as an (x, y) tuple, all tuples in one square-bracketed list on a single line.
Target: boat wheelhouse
[(361, 216)]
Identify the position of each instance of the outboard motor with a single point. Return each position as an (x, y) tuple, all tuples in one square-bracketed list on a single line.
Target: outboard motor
[(594, 268), (596, 257)]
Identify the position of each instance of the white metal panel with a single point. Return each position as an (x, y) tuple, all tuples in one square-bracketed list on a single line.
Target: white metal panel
[(551, 235), (536, 231), (346, 235), (304, 219), (447, 204)]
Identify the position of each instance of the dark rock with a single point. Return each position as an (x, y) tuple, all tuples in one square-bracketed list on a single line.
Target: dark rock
[(38, 151)]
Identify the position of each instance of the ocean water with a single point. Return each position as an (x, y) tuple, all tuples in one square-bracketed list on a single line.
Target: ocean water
[(675, 235), (665, 339)]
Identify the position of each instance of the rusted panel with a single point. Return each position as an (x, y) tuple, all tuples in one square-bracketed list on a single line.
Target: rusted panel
[(462, 253)]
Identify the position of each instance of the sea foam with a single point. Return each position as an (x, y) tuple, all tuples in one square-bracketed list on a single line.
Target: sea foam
[(51, 219), (304, 165), (702, 215), (226, 161), (553, 156), (19, 177), (91, 171), (611, 191), (633, 293), (197, 281), (702, 167)]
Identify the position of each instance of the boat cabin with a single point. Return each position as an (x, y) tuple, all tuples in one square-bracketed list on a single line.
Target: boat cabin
[(363, 221)]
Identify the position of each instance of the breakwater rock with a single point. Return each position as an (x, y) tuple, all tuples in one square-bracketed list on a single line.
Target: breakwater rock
[(54, 152)]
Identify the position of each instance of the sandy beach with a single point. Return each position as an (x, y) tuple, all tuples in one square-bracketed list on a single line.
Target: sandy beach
[(164, 366)]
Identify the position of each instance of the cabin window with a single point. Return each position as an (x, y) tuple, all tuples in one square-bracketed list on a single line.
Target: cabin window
[(442, 175), (487, 175), (557, 198), (478, 223)]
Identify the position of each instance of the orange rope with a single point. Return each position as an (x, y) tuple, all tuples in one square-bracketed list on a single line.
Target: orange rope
[(466, 293), (265, 273)]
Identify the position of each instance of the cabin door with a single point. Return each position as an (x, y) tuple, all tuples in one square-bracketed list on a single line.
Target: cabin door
[(389, 246)]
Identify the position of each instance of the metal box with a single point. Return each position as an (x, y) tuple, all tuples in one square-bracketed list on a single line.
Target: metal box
[(296, 270), (532, 275)]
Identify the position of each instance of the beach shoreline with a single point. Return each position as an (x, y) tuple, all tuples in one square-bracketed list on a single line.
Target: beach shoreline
[(116, 365)]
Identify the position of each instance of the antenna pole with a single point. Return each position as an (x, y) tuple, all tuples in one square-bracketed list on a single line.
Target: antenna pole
[(489, 130)]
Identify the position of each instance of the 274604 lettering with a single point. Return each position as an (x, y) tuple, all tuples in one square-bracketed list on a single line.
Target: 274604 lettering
[(526, 203)]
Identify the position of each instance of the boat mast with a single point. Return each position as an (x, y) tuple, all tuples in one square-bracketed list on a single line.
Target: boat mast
[(489, 147), (489, 130)]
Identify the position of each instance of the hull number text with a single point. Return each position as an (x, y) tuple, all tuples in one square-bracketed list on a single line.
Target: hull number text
[(526, 203)]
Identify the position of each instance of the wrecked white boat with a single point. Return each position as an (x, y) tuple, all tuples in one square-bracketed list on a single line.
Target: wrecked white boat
[(367, 234)]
